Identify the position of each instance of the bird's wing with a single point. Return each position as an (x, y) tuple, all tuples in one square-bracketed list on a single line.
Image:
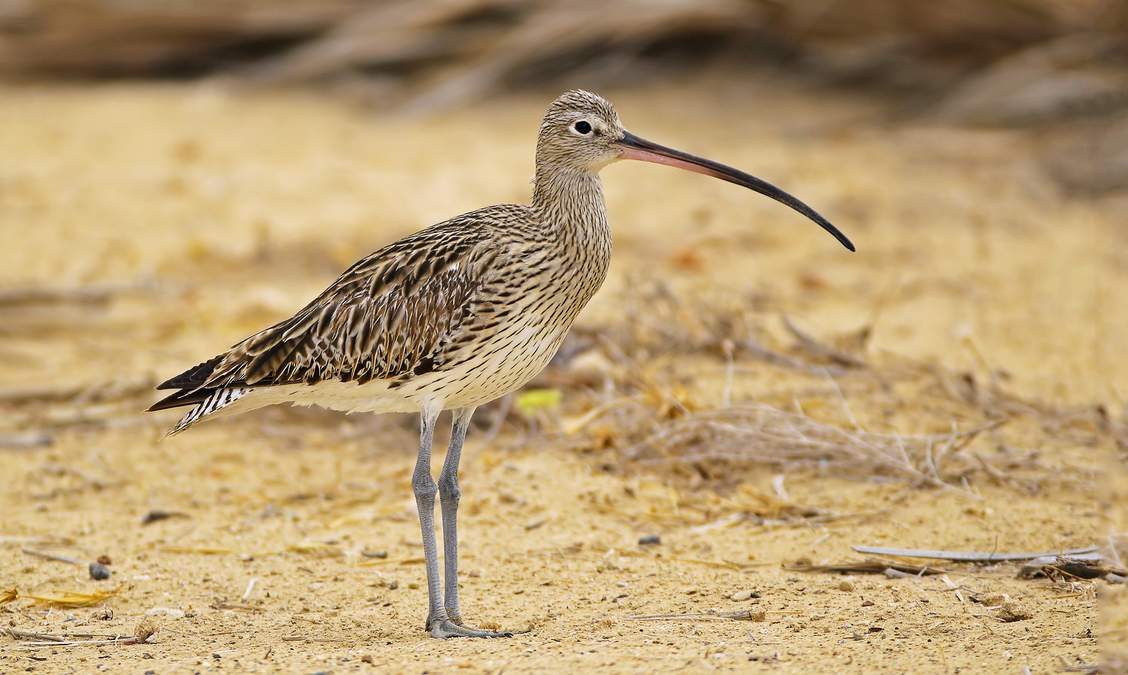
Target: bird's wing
[(390, 315)]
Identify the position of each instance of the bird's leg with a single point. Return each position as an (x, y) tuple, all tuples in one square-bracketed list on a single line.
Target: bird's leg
[(438, 622), (424, 487), (450, 494)]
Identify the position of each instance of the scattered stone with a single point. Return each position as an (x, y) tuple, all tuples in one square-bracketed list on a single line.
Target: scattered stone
[(1010, 612), (846, 585), (157, 515), (374, 554), (146, 629), (741, 596), (867, 603), (105, 560), (99, 572), (758, 616), (649, 540)]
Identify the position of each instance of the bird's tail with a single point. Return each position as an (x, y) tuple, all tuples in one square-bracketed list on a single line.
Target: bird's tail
[(215, 401)]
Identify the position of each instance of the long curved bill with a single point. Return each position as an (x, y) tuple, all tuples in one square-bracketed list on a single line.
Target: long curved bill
[(633, 147)]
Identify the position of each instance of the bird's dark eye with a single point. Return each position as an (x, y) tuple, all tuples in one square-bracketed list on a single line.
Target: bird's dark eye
[(582, 127)]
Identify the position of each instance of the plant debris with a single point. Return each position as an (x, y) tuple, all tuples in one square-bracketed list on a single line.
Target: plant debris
[(70, 599), (157, 515), (1071, 567), (866, 567), (969, 556), (739, 615)]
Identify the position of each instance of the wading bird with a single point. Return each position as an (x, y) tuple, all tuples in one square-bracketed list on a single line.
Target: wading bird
[(453, 316)]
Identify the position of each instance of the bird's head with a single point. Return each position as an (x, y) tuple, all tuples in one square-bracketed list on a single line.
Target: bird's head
[(581, 132)]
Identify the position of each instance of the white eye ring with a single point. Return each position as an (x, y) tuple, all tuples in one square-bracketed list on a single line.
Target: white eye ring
[(582, 127)]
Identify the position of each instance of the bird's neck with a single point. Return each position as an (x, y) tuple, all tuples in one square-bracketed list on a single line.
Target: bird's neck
[(570, 202), (569, 205)]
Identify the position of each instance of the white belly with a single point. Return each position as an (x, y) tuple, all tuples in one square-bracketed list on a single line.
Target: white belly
[(375, 396), (506, 365)]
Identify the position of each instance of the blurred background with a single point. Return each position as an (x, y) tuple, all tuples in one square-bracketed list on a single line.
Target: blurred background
[(1054, 66), (176, 175)]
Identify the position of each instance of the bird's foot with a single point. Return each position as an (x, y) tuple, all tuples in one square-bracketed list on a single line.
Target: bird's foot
[(447, 628)]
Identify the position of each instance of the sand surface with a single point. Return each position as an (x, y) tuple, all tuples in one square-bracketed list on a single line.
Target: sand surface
[(194, 217)]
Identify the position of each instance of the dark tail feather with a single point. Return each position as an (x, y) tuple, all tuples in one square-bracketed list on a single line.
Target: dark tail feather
[(192, 378), (181, 398), (216, 401)]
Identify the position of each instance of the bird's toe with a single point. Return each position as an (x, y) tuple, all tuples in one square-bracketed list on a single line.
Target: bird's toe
[(446, 628)]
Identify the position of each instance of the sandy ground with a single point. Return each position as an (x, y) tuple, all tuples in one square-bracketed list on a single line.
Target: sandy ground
[(194, 217)]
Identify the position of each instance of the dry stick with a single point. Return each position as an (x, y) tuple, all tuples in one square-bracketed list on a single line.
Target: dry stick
[(759, 351), (740, 615), (98, 293), (869, 567), (24, 635), (23, 440), (45, 640), (816, 348), (81, 643), (968, 556), (250, 589), (51, 556), (46, 637), (112, 390), (845, 404)]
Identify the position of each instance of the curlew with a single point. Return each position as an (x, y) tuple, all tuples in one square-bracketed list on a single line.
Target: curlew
[(453, 316)]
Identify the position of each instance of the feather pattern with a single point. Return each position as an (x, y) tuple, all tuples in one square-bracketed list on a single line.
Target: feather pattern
[(459, 313), (216, 401), (385, 317)]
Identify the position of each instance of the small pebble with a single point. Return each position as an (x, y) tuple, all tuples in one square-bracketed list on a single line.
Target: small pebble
[(845, 585), (374, 554), (867, 603), (1011, 612), (741, 596), (649, 540), (157, 515), (105, 559), (99, 572), (758, 615)]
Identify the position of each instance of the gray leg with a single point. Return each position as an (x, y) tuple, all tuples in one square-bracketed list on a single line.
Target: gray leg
[(425, 489), (450, 493), (438, 621)]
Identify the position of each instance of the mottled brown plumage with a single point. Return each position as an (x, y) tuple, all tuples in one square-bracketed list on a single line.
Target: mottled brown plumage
[(453, 316)]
